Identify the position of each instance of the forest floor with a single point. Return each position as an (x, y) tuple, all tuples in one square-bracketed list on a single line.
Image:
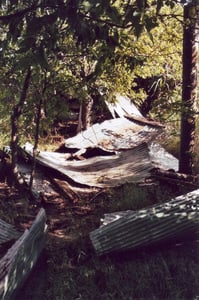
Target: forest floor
[(68, 268)]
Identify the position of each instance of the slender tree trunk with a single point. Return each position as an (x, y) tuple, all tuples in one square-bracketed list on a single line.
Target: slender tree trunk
[(189, 86), (84, 120), (38, 119), (17, 112), (86, 112)]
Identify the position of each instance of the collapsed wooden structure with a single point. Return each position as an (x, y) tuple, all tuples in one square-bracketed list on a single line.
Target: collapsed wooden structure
[(21, 257), (162, 223)]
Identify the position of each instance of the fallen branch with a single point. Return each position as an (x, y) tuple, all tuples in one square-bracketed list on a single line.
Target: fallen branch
[(142, 120), (169, 175)]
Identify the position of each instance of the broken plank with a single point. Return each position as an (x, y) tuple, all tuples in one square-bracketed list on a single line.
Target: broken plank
[(65, 189), (148, 227)]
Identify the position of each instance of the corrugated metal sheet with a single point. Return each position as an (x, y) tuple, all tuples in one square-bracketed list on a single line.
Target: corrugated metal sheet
[(116, 134), (122, 106), (113, 135), (149, 226), (160, 158), (129, 141), (102, 171), (19, 260), (7, 232)]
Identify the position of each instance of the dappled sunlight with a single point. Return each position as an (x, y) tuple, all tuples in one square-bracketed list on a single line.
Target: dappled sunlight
[(145, 227), (20, 258)]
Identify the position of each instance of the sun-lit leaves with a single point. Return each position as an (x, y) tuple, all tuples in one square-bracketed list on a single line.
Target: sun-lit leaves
[(93, 45)]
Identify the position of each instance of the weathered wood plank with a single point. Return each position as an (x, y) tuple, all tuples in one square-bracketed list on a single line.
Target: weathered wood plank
[(17, 263), (143, 121), (150, 226)]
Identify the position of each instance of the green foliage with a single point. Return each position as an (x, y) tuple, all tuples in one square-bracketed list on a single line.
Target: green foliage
[(87, 46)]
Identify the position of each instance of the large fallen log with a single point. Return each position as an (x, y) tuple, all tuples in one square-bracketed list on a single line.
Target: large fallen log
[(17, 263), (157, 224)]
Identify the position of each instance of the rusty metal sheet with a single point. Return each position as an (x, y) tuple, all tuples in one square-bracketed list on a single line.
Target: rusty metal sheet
[(118, 133), (113, 135)]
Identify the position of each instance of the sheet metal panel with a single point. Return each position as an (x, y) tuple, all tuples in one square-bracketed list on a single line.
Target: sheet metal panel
[(102, 171), (113, 135), (146, 227)]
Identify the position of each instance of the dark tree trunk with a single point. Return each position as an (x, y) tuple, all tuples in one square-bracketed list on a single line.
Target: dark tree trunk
[(189, 87), (17, 112), (35, 148)]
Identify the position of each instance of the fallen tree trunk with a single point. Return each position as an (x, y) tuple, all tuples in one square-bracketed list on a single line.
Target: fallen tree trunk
[(155, 225)]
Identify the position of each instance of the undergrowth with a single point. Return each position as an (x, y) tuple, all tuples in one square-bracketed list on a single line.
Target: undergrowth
[(70, 270)]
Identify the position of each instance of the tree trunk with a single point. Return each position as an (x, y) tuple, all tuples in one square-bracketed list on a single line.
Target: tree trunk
[(189, 86), (86, 112), (84, 120), (38, 119), (17, 112)]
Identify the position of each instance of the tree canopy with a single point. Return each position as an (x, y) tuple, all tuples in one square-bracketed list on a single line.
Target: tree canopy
[(76, 48)]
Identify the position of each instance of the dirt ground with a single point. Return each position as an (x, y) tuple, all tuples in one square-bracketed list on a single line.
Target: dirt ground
[(69, 221)]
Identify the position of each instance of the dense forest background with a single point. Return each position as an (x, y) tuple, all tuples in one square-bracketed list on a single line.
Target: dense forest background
[(63, 54)]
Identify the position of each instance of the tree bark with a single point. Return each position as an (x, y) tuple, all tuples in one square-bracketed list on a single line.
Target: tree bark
[(17, 112), (189, 87), (86, 112), (35, 148), (84, 121)]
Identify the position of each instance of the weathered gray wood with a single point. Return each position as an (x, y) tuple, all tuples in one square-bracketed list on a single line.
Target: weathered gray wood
[(146, 227), (168, 175), (17, 263)]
